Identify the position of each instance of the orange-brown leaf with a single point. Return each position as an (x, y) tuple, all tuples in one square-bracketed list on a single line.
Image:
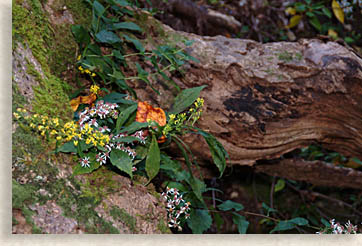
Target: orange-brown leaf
[(88, 99), (147, 112), (74, 103)]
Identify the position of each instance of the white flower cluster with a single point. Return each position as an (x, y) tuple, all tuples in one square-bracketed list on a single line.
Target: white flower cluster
[(347, 5), (102, 110), (337, 228), (177, 209)]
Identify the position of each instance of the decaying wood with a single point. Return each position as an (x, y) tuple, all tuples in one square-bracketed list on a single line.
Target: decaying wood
[(316, 172), (198, 18), (264, 100)]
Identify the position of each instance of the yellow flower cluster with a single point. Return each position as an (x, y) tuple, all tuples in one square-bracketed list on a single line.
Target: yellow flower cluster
[(87, 71), (94, 89), (70, 131), (93, 136), (176, 122), (40, 123)]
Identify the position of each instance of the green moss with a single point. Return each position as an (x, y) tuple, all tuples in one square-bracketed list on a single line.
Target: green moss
[(99, 184), (20, 194), (285, 56), (163, 228), (32, 27), (124, 217)]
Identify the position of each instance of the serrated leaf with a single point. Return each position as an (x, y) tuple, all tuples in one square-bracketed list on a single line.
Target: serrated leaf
[(108, 37), (126, 25), (199, 221), (153, 159), (338, 12), (121, 160), (228, 205), (294, 21), (279, 185), (185, 99), (241, 223)]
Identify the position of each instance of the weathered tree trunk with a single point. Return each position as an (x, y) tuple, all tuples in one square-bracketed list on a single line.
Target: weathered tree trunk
[(264, 100)]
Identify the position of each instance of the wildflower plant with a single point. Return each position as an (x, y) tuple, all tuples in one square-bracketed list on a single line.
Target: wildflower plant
[(337, 228), (178, 210), (115, 129)]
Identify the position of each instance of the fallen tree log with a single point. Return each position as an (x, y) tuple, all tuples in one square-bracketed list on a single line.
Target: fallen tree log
[(316, 172), (264, 100)]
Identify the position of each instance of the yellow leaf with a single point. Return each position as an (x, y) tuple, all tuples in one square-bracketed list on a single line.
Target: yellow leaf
[(332, 33), (337, 10), (294, 21), (74, 103), (290, 11)]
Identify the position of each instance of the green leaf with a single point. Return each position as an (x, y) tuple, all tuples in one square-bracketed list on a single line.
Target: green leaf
[(199, 221), (310, 14), (176, 185), (289, 224), (128, 139), (81, 34), (108, 37), (198, 187), (124, 115), (98, 8), (135, 126), (349, 40), (218, 152), (241, 223), (68, 147), (268, 209), (121, 160), (135, 42), (356, 160), (228, 205), (185, 99), (279, 185), (153, 159), (315, 22), (126, 25), (93, 165), (113, 97), (327, 12), (325, 222)]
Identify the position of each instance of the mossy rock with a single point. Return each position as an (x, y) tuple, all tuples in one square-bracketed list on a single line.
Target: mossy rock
[(47, 198)]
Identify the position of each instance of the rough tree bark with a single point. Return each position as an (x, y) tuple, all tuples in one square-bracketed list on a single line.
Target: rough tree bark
[(264, 100)]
